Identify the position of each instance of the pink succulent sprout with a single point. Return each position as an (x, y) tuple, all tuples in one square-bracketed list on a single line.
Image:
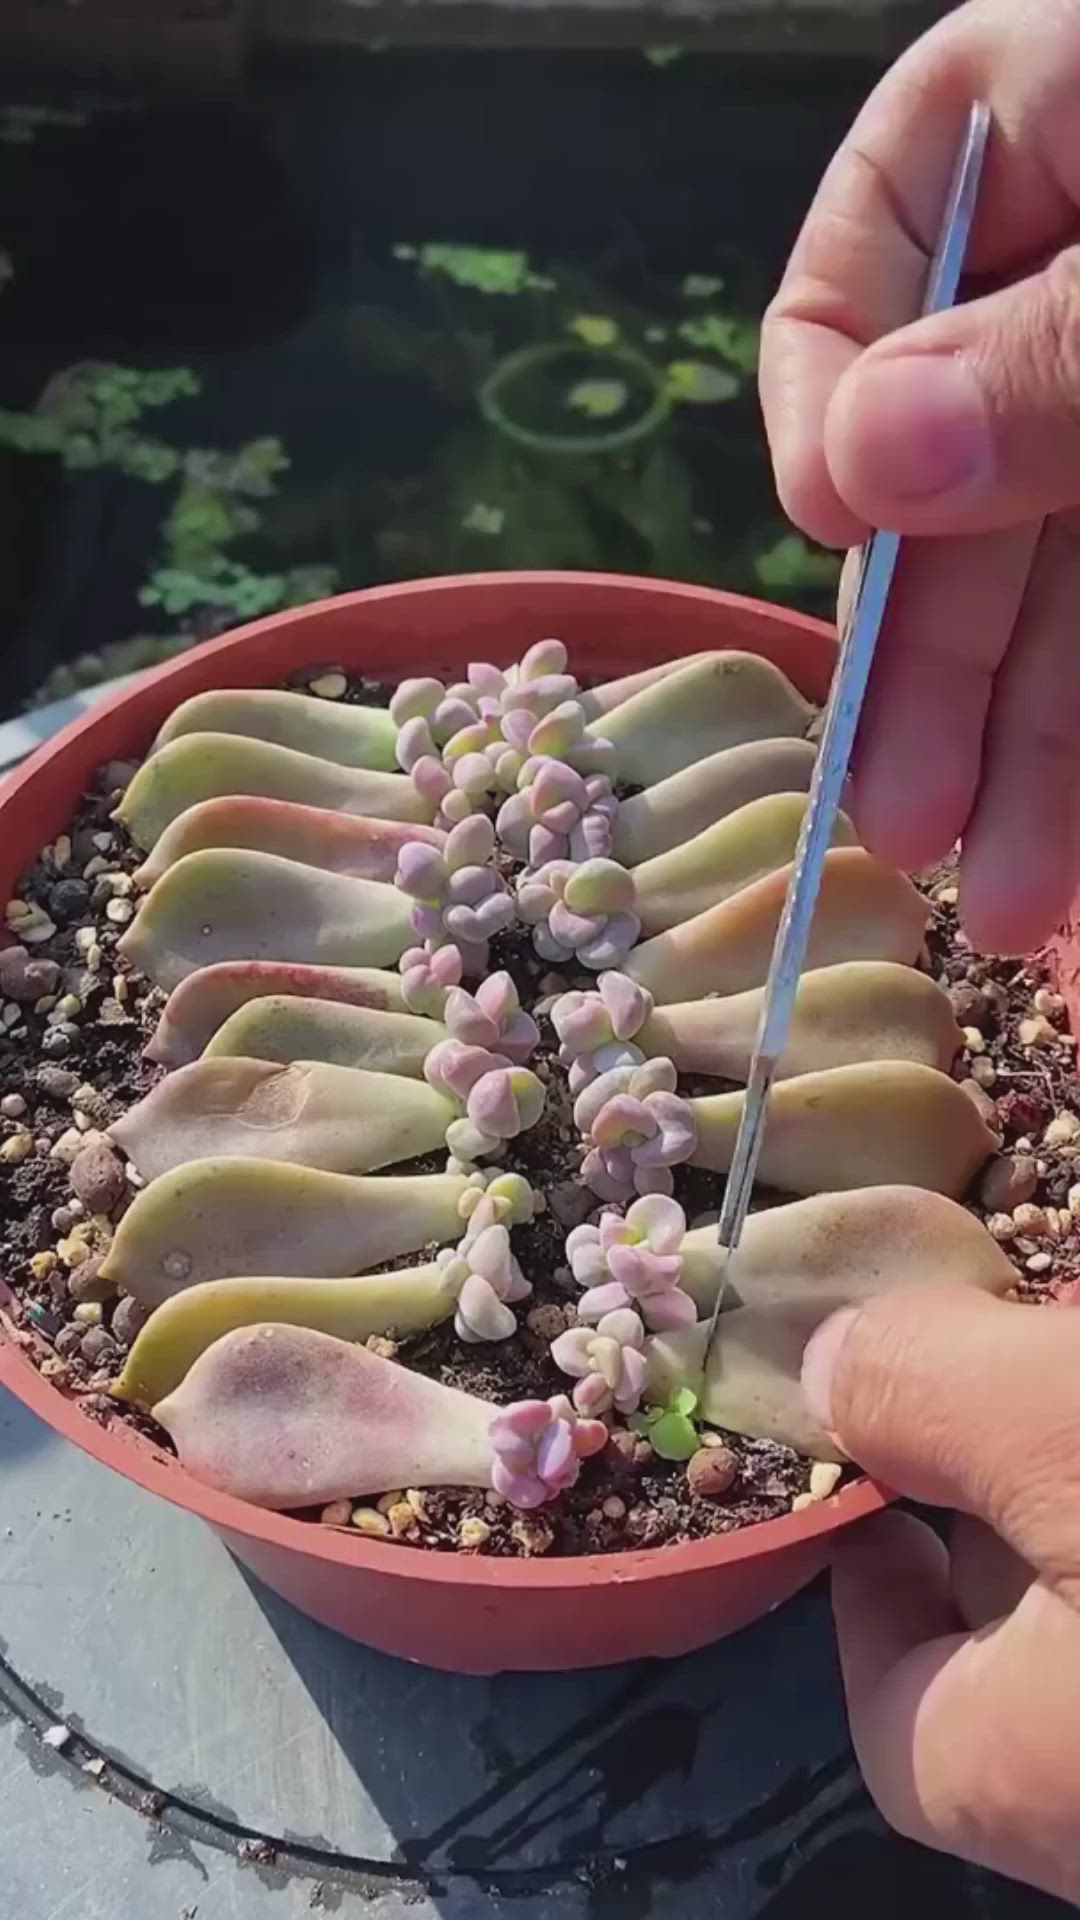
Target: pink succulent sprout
[(500, 1099), (492, 1198), (596, 1030), (584, 913), (638, 1128), (458, 895), (492, 1017), (486, 1278), (633, 1262), (427, 978), (607, 1361), (539, 1446), (558, 814)]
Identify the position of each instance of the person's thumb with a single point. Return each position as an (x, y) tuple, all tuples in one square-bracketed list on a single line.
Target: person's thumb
[(969, 420), (953, 1397)]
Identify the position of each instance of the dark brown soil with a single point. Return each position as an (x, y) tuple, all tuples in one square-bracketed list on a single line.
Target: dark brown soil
[(76, 1074)]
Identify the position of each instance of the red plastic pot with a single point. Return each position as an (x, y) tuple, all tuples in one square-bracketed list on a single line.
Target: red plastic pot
[(466, 1615)]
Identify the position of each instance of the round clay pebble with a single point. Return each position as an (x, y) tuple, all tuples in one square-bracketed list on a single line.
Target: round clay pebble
[(711, 1472), (57, 1083), (97, 1346), (128, 1320), (968, 1003), (12, 1106), (86, 1282), (69, 901), (68, 1340), (1008, 1181), (547, 1322), (98, 1178), (24, 979)]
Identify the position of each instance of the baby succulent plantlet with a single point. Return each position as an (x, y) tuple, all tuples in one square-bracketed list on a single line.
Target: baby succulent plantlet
[(866, 910), (287, 1028), (676, 809), (607, 1361), (493, 1017), (584, 913), (720, 861), (225, 905), (213, 1219), (500, 1099), (720, 700), (459, 897), (559, 814), (638, 1128), (539, 1447), (350, 736), (211, 766), (633, 1263), (340, 1119), (670, 1429), (200, 1005), (341, 842)]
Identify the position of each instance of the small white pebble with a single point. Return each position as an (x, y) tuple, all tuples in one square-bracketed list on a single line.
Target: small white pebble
[(12, 1106), (122, 884), (17, 1148), (1037, 1032), (67, 1146), (328, 686), (337, 1514), (119, 912), (1063, 1129), (1049, 1003), (88, 1313), (84, 939), (61, 852), (946, 896), (974, 1040), (11, 1015), (83, 1122), (983, 1072), (36, 934), (56, 1737), (370, 1521), (1029, 1219), (120, 988), (824, 1478), (802, 1501), (1001, 1226), (68, 1007), (1074, 1201), (102, 841), (1039, 1263)]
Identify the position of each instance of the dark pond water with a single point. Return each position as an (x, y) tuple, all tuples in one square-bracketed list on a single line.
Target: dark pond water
[(386, 315)]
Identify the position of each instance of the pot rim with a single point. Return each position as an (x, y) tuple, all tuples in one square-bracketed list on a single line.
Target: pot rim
[(140, 1460)]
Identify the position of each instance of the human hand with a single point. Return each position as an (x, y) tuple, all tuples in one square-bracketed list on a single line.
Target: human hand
[(968, 1740), (965, 426)]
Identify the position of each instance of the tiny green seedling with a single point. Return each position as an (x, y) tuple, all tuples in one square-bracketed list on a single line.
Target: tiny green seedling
[(670, 1430)]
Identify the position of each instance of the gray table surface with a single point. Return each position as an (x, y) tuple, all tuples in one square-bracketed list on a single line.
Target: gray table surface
[(226, 1759)]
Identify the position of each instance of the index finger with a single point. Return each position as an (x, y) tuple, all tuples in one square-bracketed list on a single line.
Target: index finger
[(859, 266)]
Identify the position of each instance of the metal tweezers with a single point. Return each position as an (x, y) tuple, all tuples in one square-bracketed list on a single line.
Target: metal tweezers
[(877, 568)]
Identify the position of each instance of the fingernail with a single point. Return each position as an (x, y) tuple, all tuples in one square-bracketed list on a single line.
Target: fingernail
[(918, 427), (819, 1364)]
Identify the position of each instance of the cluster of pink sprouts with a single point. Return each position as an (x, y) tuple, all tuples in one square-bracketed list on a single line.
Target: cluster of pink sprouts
[(459, 898), (500, 1098), (539, 1446), (596, 1030), (637, 1127), (584, 913)]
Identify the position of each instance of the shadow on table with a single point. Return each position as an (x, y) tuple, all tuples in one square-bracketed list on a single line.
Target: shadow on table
[(720, 1782), (21, 1432)]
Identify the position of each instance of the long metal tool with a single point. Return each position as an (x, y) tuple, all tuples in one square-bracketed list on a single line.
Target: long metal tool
[(876, 570)]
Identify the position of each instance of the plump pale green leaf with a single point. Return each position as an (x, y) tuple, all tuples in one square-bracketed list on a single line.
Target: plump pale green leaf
[(720, 700), (859, 1126), (866, 910), (758, 839), (351, 736), (203, 1001), (407, 1301), (662, 817), (225, 905), (286, 1028), (313, 1115), (857, 1010), (341, 842), (214, 1219), (206, 766), (286, 1417)]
